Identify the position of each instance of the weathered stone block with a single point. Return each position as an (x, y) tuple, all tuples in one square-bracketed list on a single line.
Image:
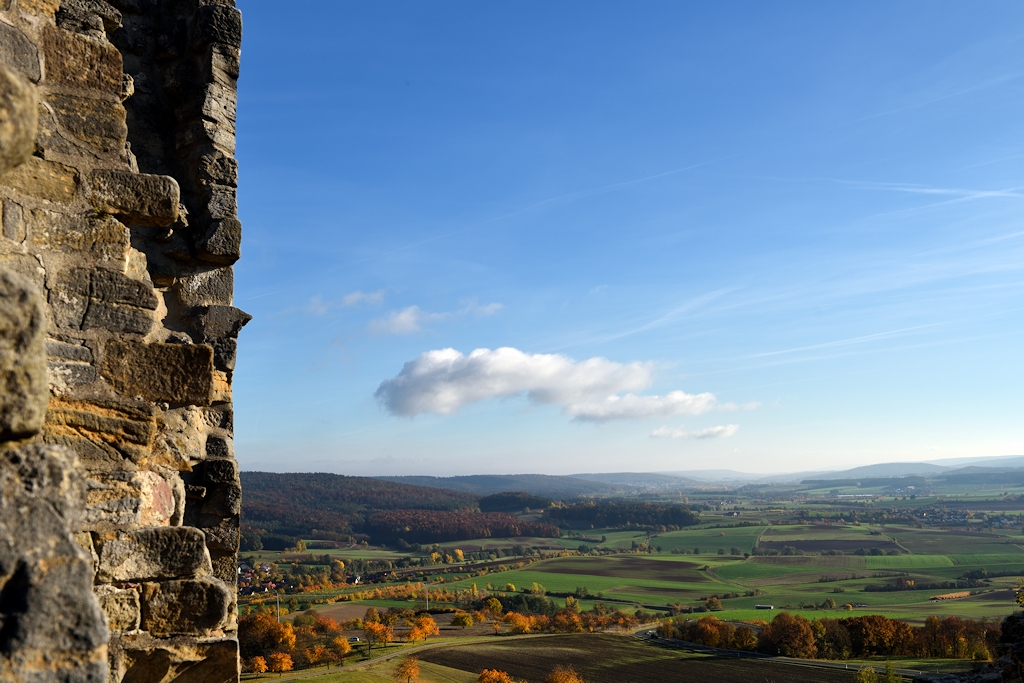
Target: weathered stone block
[(208, 661), (101, 123), (218, 168), (14, 221), (206, 288), (23, 386), (105, 435), (95, 298), (69, 366), (18, 118), (219, 447), (26, 266), (155, 553), (44, 7), (96, 14), (190, 607), (121, 606), (18, 52), (104, 238), (221, 243), (137, 198), (219, 24), (43, 179), (51, 619), (175, 373), (78, 61)]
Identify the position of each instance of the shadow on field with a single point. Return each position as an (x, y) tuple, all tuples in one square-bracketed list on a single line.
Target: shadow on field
[(603, 658)]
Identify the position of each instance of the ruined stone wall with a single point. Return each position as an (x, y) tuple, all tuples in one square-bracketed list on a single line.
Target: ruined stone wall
[(124, 218)]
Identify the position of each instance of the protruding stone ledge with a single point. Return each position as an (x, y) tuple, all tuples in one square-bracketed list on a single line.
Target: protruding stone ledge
[(136, 198), (155, 553)]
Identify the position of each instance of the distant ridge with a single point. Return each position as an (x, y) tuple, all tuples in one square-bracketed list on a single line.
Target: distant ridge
[(554, 486)]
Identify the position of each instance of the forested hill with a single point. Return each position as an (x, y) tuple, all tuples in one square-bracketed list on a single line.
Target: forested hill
[(278, 509), (337, 492), (546, 485)]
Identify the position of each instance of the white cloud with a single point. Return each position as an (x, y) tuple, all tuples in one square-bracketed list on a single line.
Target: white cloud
[(411, 320), (595, 389), (359, 296), (633, 406), (406, 321), (718, 432)]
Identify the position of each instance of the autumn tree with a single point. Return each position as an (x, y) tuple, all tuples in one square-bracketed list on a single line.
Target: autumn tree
[(375, 632), (494, 676), (713, 604), (424, 626), (341, 646), (493, 605), (408, 670), (564, 674), (258, 665), (788, 635), (462, 620), (279, 662), (866, 675), (261, 634)]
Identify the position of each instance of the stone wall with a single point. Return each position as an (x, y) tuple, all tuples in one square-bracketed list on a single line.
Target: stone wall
[(124, 218)]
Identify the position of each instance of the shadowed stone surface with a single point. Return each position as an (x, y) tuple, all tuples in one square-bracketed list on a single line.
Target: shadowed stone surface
[(23, 385)]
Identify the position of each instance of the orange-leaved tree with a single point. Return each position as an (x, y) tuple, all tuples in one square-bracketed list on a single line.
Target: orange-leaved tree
[(423, 627), (261, 634), (564, 674), (258, 665), (494, 676), (376, 632), (280, 662), (408, 670)]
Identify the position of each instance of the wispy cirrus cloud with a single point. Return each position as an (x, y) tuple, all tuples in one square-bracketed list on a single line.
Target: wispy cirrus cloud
[(592, 390), (718, 432), (317, 305), (412, 319)]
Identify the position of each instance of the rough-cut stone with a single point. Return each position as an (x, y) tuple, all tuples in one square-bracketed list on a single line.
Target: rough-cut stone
[(18, 53), (176, 373), (197, 606), (210, 660), (23, 384), (222, 242), (105, 434), (219, 447), (137, 198), (69, 365), (53, 628), (219, 326), (47, 180), (205, 288), (102, 299), (78, 61), (102, 236), (18, 118), (156, 553), (220, 24), (100, 123), (121, 606)]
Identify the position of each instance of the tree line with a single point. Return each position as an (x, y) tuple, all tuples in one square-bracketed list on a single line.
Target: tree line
[(845, 638)]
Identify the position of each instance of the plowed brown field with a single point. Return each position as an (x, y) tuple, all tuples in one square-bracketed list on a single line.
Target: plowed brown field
[(604, 658)]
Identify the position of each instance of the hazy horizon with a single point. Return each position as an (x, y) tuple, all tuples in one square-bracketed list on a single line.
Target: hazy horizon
[(530, 238)]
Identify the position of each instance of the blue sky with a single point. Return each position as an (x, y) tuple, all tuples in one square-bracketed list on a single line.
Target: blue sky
[(578, 237)]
